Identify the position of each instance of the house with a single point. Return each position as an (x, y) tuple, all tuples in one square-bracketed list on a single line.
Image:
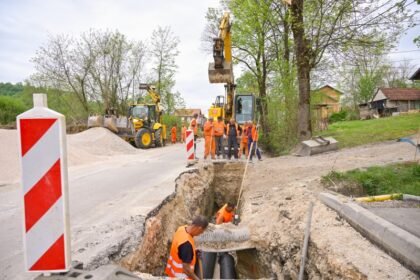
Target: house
[(392, 100), (416, 76), (325, 101), (186, 115)]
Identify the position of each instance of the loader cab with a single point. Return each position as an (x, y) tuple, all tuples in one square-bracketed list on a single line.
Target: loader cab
[(244, 108)]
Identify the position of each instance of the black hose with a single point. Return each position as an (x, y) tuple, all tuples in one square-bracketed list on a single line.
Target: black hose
[(227, 266)]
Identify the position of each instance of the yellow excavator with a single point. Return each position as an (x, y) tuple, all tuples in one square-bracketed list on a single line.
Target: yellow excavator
[(142, 125), (241, 107)]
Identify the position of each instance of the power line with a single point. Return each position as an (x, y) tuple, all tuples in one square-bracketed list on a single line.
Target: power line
[(403, 51)]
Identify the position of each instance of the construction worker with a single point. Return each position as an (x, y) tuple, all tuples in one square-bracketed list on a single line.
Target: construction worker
[(183, 254), (194, 128), (173, 134), (219, 134), (225, 214), (244, 140), (183, 133), (209, 144), (253, 142), (232, 131)]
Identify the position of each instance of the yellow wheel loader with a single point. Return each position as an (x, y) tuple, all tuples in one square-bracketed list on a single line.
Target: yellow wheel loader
[(142, 125)]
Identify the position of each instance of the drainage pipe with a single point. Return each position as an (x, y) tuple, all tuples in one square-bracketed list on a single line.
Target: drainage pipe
[(227, 266), (209, 261)]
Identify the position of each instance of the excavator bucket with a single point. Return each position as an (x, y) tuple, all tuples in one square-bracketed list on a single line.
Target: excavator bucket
[(221, 75)]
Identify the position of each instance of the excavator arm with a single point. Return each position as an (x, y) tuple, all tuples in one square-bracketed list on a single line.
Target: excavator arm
[(151, 90), (221, 71)]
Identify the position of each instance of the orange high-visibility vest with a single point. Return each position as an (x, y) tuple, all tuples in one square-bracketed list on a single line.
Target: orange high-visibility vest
[(245, 134), (194, 126), (254, 133), (219, 128), (174, 266), (227, 217), (208, 130)]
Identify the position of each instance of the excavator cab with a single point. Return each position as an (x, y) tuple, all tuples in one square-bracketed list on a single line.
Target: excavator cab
[(245, 105)]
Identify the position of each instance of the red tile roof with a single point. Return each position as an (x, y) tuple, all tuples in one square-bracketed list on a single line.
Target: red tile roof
[(401, 93)]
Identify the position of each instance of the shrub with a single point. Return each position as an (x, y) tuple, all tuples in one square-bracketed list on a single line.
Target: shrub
[(338, 117), (9, 108)]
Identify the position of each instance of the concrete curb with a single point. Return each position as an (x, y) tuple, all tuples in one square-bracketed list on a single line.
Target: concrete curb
[(411, 197), (399, 243)]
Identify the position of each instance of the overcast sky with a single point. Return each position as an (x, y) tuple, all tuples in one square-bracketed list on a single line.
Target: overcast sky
[(25, 25)]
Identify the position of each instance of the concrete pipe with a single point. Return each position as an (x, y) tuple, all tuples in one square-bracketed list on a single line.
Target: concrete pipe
[(227, 266)]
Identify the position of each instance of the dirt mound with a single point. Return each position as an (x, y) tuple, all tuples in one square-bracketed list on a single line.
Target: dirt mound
[(9, 157), (82, 148), (100, 141)]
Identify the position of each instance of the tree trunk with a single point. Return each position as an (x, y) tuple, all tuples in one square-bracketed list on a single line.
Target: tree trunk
[(302, 50)]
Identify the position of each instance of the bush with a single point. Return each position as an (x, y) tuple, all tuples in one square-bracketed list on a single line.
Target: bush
[(338, 117), (9, 108)]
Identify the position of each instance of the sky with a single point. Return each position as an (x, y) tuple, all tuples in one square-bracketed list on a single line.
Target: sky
[(25, 25)]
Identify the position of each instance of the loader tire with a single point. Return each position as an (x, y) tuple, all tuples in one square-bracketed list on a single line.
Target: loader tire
[(158, 138), (143, 138)]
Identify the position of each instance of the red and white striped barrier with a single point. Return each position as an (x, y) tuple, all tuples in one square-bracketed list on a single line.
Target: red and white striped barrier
[(43, 156), (189, 141)]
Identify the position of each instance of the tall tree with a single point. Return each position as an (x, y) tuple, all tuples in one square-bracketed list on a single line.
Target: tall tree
[(164, 52), (332, 27)]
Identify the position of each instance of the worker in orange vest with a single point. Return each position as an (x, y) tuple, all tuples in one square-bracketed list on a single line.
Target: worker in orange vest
[(183, 133), (209, 144), (194, 128), (225, 214), (183, 255), (173, 134), (253, 142), (244, 140), (219, 134)]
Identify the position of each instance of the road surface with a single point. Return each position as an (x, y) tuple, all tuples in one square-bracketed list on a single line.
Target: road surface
[(108, 203)]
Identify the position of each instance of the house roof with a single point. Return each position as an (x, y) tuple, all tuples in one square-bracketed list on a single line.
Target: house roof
[(400, 93), (328, 86), (187, 112), (416, 75)]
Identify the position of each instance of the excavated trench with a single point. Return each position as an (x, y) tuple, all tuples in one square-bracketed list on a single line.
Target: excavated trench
[(201, 191)]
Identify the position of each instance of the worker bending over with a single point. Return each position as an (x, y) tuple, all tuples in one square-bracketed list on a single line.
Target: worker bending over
[(183, 256), (225, 214), (209, 144)]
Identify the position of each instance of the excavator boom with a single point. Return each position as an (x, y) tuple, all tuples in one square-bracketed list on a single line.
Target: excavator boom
[(221, 70)]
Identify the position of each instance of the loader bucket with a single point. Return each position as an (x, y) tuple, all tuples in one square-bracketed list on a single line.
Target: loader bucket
[(221, 75)]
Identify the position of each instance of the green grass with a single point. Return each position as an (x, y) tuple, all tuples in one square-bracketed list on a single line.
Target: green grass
[(355, 133), (377, 180)]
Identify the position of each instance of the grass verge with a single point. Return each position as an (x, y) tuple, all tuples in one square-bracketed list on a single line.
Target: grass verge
[(355, 133), (377, 180)]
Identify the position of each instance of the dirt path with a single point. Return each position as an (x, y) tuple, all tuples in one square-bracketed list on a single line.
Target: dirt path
[(277, 193)]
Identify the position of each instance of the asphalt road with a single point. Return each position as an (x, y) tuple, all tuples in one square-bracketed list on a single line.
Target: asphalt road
[(108, 202)]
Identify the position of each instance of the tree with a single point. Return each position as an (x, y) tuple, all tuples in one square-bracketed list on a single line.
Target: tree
[(330, 27), (164, 51), (98, 66)]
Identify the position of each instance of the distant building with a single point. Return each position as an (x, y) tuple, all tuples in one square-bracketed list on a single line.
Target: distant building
[(416, 76), (186, 115), (326, 100), (395, 100)]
